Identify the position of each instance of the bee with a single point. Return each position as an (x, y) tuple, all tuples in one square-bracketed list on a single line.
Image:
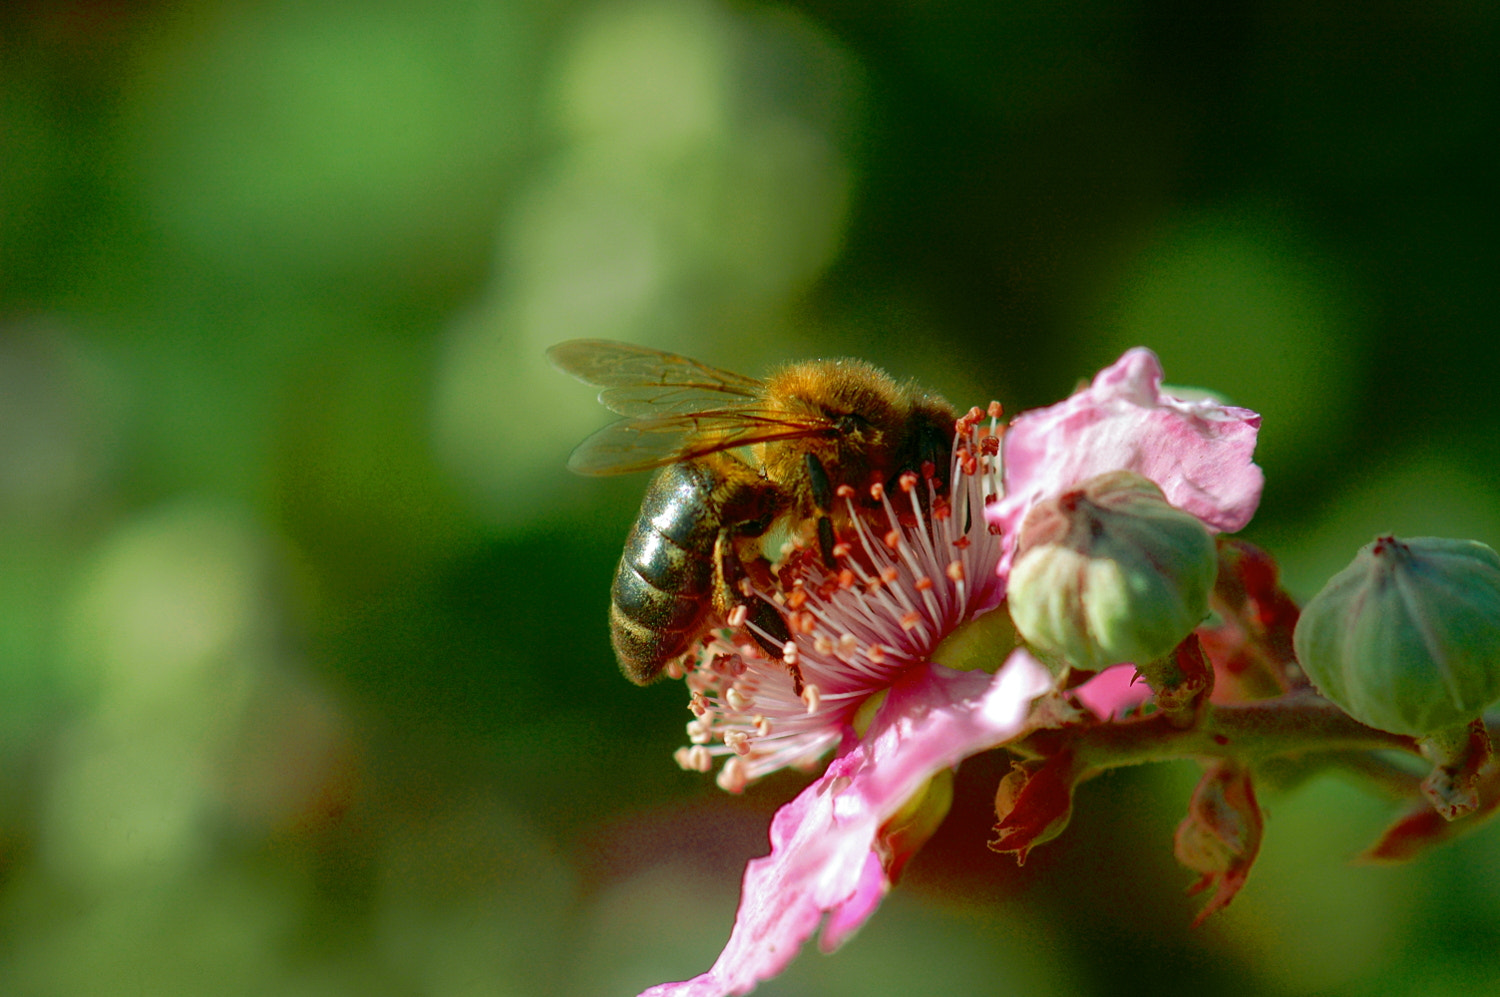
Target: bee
[(809, 429)]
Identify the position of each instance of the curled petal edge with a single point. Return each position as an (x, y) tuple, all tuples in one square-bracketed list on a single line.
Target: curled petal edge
[(1199, 451)]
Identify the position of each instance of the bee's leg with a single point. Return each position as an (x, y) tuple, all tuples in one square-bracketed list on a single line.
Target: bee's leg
[(822, 495), (767, 617), (934, 448), (733, 589)]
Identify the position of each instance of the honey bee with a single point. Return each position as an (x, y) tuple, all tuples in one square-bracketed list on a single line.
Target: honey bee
[(810, 428)]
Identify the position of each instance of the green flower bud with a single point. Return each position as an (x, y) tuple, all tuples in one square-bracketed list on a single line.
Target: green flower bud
[(1407, 638), (1110, 572)]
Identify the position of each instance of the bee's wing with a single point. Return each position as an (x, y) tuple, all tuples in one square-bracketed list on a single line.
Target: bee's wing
[(643, 443), (642, 382)]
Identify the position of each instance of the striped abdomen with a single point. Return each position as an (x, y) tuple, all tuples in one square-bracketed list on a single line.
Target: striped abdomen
[(663, 587)]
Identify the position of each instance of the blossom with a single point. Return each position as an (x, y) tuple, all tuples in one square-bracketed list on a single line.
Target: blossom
[(858, 674)]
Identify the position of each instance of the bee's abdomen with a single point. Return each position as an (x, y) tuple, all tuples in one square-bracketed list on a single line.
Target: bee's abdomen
[(661, 592)]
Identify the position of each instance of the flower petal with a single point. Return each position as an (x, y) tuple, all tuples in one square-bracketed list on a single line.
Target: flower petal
[(1113, 693), (1198, 452), (823, 858)]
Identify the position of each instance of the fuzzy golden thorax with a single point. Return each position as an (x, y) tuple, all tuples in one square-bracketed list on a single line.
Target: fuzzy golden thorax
[(879, 427)]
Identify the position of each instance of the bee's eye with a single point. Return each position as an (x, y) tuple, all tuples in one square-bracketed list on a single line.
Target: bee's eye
[(851, 422)]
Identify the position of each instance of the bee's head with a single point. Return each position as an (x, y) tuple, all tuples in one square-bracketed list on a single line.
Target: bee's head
[(871, 422)]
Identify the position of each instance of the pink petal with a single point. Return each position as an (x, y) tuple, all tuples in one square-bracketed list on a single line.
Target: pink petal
[(845, 919), (822, 857), (1199, 452), (1112, 692)]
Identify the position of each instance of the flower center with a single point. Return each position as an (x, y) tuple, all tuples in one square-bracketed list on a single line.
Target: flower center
[(910, 569)]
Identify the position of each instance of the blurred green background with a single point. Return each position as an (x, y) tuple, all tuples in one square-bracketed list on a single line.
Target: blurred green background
[(304, 681)]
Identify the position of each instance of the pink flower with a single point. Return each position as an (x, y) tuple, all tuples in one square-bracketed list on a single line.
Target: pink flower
[(1198, 452), (825, 856), (874, 625)]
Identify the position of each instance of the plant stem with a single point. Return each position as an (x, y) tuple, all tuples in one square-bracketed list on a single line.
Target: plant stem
[(1294, 723)]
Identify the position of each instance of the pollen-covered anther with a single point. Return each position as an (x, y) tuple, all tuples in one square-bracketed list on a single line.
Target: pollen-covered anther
[(968, 463), (812, 697), (844, 491), (908, 481), (733, 777), (877, 492), (975, 415), (929, 470), (822, 644), (803, 623), (846, 578), (962, 543), (876, 654), (990, 446), (746, 587), (694, 759), (893, 539), (737, 741), (736, 699), (675, 669), (848, 644), (748, 651), (955, 570), (995, 410), (842, 548), (909, 621), (762, 725), (789, 652), (923, 584), (797, 597), (738, 615), (700, 706), (941, 510), (699, 732), (889, 574)]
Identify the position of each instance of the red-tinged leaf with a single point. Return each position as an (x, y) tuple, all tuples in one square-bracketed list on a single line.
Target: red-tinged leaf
[(1252, 649), (1424, 827), (1220, 837)]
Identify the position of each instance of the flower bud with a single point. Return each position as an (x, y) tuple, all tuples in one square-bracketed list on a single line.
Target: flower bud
[(1407, 637), (1034, 804), (1109, 573)]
